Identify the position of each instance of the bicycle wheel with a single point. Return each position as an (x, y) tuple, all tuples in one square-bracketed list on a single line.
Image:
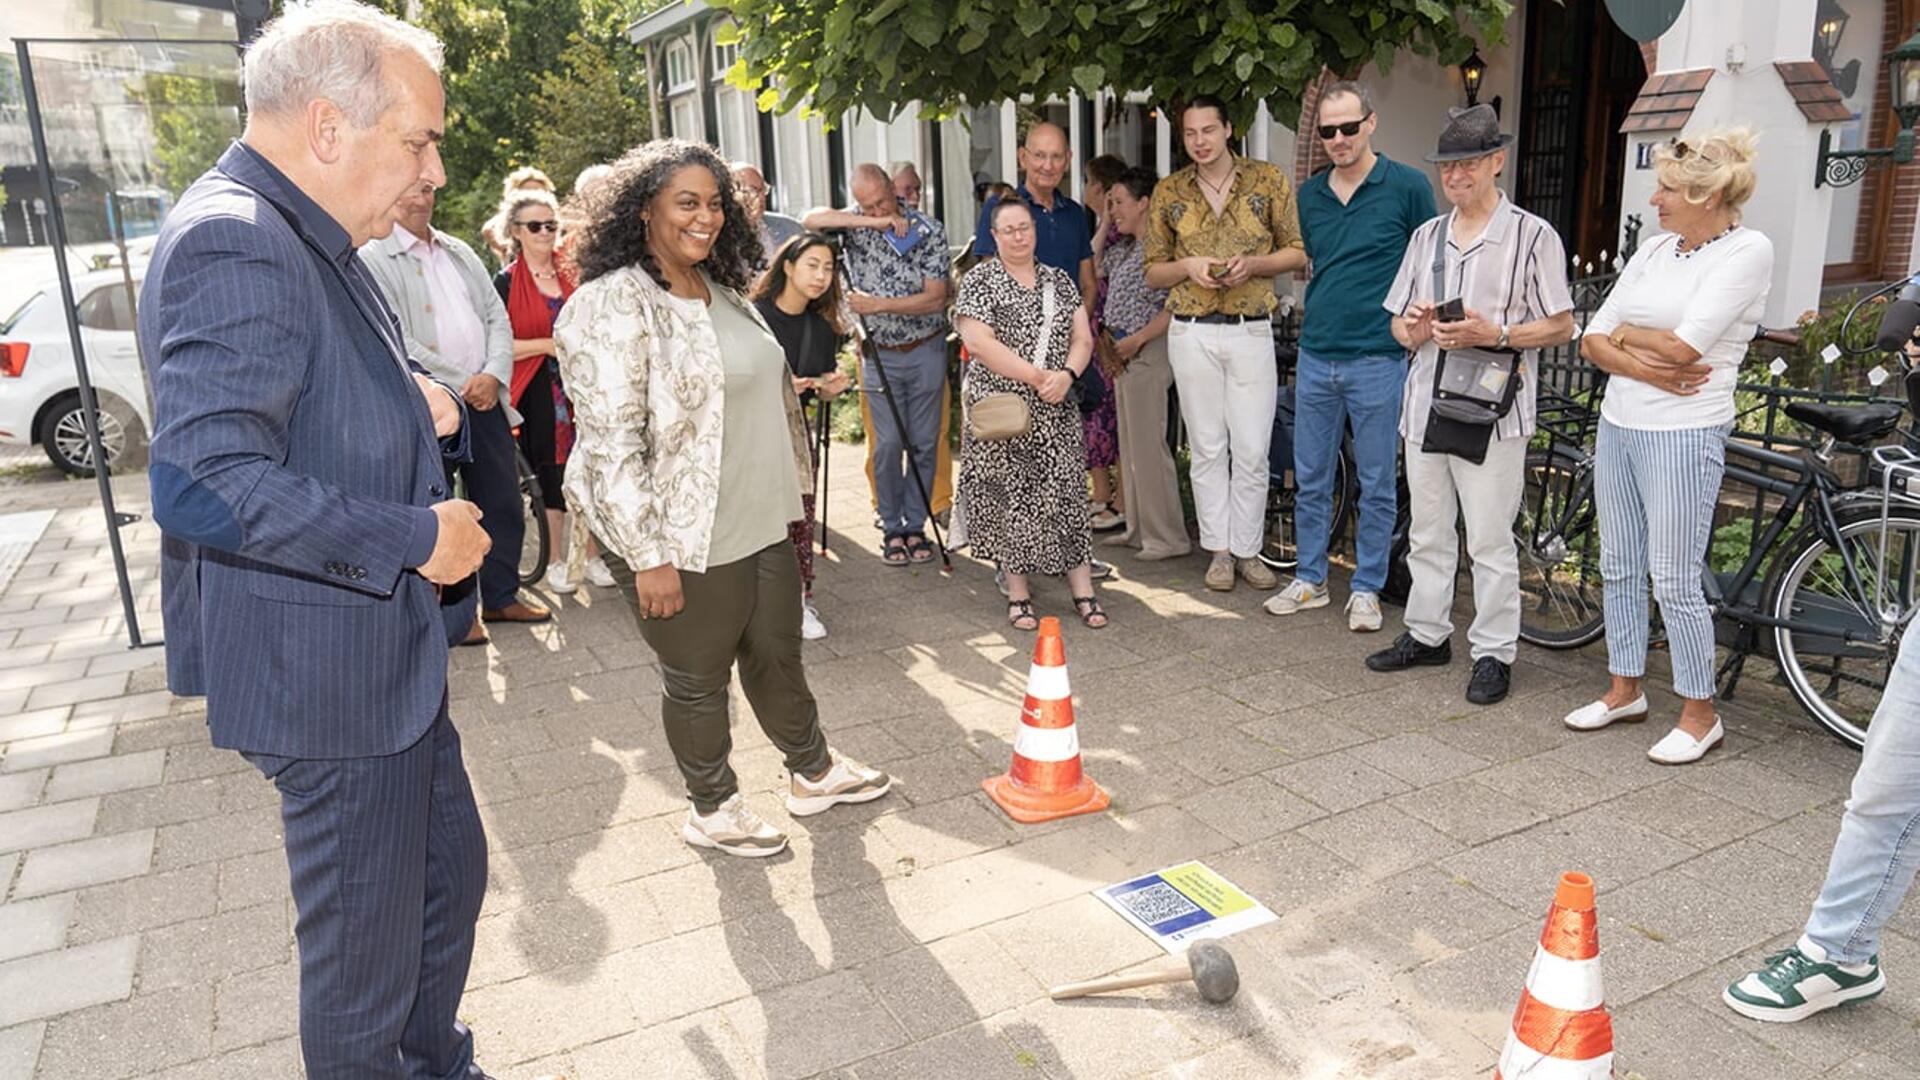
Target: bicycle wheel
[(1558, 535), (533, 509), (1838, 653), (1280, 551)]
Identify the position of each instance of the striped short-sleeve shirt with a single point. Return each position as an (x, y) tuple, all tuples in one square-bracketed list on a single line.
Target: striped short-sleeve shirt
[(1514, 272)]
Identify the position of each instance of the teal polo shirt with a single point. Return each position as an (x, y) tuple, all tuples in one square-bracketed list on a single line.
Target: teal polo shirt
[(1356, 250)]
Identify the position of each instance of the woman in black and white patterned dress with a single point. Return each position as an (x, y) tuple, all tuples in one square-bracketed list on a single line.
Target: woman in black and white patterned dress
[(1026, 497)]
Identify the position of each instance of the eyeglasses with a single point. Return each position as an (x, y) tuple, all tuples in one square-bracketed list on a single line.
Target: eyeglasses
[(1349, 129), (1014, 230), (753, 192), (539, 226)]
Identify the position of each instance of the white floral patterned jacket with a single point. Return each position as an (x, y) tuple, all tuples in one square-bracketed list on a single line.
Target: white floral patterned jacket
[(646, 384)]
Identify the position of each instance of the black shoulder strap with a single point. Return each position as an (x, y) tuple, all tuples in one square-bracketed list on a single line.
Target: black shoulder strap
[(1440, 260)]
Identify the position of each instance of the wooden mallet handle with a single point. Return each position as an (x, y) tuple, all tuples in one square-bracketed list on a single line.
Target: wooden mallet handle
[(1167, 974)]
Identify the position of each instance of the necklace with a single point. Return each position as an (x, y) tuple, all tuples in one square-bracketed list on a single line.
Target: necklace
[(1682, 251), (1221, 187)]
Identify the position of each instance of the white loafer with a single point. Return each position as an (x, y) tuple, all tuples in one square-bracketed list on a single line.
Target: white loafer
[(1595, 715), (1680, 748)]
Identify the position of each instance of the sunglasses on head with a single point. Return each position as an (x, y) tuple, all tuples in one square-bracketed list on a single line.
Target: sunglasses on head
[(1349, 129), (540, 226)]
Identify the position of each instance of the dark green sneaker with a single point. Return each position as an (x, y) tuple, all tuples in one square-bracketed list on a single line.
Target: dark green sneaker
[(1793, 986)]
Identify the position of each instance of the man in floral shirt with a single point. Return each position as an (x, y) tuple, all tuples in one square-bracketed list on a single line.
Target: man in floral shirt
[(896, 261)]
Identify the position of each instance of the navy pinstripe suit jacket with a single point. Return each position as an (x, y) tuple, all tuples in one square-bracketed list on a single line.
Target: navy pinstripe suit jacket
[(291, 463)]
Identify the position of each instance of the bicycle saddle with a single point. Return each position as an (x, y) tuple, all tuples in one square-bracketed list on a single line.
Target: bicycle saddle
[(1858, 424)]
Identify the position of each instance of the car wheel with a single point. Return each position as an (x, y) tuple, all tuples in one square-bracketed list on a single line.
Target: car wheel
[(63, 435)]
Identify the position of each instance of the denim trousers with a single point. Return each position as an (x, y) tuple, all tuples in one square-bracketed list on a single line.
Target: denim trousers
[(1328, 394), (1655, 491), (1874, 859)]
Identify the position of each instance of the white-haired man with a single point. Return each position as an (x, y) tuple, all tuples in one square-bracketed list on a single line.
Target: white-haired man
[(298, 479)]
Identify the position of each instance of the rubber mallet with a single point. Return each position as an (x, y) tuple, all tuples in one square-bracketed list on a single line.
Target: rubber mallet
[(1207, 963)]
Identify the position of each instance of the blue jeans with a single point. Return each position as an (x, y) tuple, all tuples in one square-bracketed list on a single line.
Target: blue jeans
[(1328, 395), (917, 378), (1878, 850), (1655, 491)]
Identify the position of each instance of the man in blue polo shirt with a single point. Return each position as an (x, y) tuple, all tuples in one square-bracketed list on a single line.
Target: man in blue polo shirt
[(1063, 230), (1356, 219)]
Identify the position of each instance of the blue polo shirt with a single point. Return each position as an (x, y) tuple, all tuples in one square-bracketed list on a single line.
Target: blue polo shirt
[(1062, 236), (1356, 248)]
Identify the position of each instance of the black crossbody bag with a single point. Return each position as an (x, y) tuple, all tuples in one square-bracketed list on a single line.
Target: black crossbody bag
[(1472, 388)]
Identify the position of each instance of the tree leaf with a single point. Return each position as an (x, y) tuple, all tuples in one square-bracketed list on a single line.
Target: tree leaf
[(1085, 14), (1090, 78), (1243, 65), (924, 26)]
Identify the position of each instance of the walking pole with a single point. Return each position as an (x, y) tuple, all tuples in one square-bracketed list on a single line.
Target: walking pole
[(823, 416), (868, 348)]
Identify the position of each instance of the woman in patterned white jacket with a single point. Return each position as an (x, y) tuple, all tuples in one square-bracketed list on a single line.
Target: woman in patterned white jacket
[(688, 462)]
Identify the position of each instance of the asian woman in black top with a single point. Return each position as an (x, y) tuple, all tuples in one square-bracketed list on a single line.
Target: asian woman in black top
[(799, 296)]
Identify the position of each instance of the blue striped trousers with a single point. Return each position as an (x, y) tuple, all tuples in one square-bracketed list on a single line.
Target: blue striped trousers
[(1655, 492)]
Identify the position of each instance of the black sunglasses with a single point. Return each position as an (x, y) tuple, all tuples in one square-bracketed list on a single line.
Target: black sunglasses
[(1349, 129), (539, 226)]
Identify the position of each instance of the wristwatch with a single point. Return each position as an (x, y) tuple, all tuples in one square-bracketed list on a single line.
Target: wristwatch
[(1502, 343)]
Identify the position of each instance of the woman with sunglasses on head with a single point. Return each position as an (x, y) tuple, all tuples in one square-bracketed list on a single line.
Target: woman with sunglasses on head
[(1672, 335), (535, 286), (799, 297)]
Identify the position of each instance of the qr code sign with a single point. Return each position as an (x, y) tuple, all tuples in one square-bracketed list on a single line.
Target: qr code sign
[(1158, 903)]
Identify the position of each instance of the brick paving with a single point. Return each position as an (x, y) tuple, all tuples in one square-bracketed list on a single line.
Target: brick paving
[(1408, 841)]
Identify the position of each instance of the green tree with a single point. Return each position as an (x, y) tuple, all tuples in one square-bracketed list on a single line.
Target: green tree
[(592, 109), (192, 120), (877, 54)]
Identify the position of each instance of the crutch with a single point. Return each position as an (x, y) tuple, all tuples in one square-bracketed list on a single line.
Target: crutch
[(869, 350), (823, 416)]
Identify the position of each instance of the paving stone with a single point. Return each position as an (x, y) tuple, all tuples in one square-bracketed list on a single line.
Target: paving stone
[(1337, 781), (278, 1058), (1091, 1037), (54, 749), (1467, 811), (104, 775), (8, 863), (810, 1027), (142, 903), (1603, 843), (1224, 755), (33, 725), (1545, 782), (1515, 869), (246, 880), (256, 1007), (949, 983), (701, 1045), (974, 1052), (20, 1050), (1668, 1035), (213, 839), (50, 983), (44, 826), (34, 926), (195, 762), (1418, 759), (1250, 809), (204, 950), (180, 729), (1000, 883), (124, 709), (1287, 871), (85, 862), (90, 688), (21, 789), (942, 831), (167, 804), (1420, 915), (557, 1010), (1688, 814), (1756, 787), (129, 1038), (1379, 839), (571, 930)]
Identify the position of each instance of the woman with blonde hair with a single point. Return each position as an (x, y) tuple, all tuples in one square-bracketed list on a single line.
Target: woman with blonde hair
[(1672, 335)]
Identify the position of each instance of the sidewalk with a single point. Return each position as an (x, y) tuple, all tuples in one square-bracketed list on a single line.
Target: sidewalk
[(1408, 841)]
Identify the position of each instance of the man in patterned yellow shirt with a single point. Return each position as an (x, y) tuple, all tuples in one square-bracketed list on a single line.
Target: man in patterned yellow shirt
[(1223, 228)]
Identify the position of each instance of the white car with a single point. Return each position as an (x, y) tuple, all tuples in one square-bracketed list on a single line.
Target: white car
[(39, 392)]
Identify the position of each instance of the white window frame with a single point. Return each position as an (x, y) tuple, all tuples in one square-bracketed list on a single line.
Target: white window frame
[(684, 80), (723, 57)]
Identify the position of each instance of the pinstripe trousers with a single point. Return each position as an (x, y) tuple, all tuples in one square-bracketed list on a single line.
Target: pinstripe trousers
[(389, 865), (1656, 491)]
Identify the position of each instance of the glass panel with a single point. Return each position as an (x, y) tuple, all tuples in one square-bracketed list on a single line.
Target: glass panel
[(1856, 72)]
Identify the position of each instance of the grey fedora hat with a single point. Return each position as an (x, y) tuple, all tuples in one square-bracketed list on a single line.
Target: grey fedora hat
[(1470, 133)]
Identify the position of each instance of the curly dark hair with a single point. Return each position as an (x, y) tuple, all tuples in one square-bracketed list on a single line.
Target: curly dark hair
[(615, 235)]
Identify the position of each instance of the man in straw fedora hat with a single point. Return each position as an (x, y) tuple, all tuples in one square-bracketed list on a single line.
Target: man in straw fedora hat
[(1481, 290)]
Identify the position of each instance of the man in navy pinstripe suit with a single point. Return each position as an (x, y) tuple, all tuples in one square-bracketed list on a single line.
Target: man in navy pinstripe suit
[(297, 476)]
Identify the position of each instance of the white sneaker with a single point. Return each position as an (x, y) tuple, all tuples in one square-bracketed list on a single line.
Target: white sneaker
[(597, 574), (1296, 597), (1595, 715), (847, 781), (1363, 613), (734, 829), (557, 579), (1680, 748), (811, 628)]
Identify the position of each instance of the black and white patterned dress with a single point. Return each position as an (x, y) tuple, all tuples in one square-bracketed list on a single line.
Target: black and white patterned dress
[(1026, 497)]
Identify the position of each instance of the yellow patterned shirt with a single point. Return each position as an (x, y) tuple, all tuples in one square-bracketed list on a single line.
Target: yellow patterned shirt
[(1260, 219)]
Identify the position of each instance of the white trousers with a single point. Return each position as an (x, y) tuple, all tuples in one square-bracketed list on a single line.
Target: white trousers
[(1441, 487), (1227, 388)]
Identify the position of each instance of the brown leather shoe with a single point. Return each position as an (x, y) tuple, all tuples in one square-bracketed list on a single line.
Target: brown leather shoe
[(518, 611), (477, 635)]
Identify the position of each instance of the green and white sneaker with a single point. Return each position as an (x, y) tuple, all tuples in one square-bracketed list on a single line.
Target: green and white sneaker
[(1799, 982)]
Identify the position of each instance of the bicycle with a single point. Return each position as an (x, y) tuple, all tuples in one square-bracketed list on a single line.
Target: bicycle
[(1842, 563)]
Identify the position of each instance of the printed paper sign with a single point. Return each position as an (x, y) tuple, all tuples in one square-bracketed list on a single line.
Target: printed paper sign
[(1183, 904)]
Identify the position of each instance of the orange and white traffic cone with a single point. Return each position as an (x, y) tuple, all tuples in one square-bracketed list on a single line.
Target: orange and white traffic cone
[(1561, 1031), (1045, 780)]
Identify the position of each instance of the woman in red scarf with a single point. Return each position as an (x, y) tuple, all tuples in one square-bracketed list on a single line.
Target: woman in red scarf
[(534, 286)]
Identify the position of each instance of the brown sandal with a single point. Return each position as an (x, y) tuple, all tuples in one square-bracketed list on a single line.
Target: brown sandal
[(1021, 617), (1089, 609)]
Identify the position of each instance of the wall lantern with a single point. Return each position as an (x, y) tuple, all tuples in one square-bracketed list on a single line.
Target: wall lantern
[(1838, 168), (1472, 71)]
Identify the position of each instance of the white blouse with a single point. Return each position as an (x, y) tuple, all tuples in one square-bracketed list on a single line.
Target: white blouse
[(1712, 300)]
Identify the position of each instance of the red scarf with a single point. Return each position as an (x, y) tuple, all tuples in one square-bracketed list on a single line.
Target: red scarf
[(527, 310)]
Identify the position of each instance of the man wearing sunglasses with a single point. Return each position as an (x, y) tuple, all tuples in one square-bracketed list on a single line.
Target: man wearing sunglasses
[(1356, 219)]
